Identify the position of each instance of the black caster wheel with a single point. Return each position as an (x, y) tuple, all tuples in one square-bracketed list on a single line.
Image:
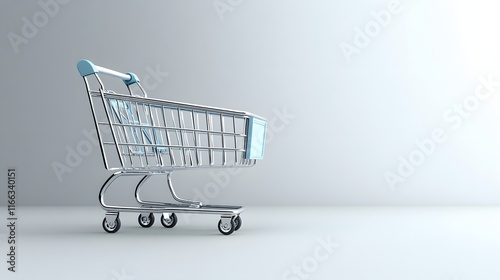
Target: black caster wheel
[(111, 227), (237, 223), (226, 228), (146, 220), (169, 222)]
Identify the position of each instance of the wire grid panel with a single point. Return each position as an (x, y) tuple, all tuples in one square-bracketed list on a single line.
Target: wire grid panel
[(154, 134)]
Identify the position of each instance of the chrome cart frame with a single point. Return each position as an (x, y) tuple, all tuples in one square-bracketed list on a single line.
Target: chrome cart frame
[(141, 136)]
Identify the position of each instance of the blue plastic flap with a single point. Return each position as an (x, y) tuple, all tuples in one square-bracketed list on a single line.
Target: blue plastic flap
[(256, 138)]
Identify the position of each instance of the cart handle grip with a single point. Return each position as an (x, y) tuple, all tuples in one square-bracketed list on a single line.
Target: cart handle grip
[(86, 67)]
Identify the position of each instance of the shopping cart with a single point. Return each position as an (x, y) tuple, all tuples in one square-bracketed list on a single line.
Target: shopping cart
[(141, 136)]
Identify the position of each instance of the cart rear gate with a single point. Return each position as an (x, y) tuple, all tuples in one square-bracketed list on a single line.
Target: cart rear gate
[(141, 136)]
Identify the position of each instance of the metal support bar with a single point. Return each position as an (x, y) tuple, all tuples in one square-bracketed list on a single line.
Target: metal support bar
[(192, 203)]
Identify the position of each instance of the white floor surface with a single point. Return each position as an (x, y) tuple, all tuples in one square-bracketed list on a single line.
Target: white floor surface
[(361, 243)]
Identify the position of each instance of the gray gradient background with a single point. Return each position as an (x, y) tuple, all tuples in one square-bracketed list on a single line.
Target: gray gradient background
[(351, 120)]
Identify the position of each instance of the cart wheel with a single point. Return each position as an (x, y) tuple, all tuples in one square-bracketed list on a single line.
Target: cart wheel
[(226, 228), (111, 227), (237, 223), (169, 223), (146, 220)]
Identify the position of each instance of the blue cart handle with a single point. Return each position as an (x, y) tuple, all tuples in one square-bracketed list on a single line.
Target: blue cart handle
[(86, 67)]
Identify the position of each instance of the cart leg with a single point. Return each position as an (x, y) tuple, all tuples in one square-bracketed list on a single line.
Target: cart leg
[(192, 203), (105, 187), (138, 189)]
